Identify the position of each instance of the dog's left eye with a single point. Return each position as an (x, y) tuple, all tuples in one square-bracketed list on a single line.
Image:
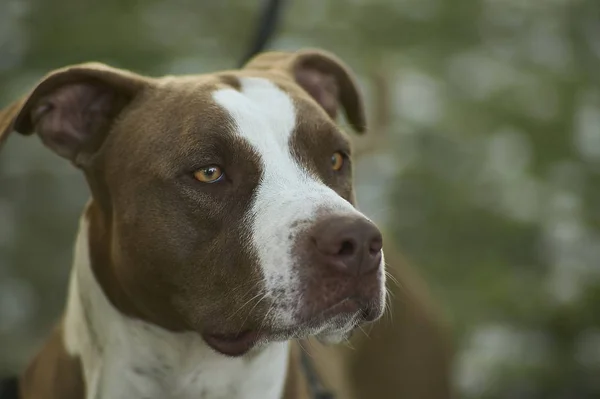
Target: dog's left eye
[(337, 161), (209, 174)]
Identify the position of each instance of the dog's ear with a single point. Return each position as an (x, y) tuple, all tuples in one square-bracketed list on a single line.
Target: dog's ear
[(71, 109), (322, 75)]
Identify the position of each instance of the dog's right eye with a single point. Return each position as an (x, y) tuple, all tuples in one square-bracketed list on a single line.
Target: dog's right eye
[(337, 161), (209, 174)]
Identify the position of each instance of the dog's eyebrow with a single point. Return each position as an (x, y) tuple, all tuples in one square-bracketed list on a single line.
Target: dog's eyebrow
[(322, 128)]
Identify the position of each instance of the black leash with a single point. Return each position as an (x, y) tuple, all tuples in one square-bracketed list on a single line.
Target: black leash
[(317, 389), (267, 25), (9, 388)]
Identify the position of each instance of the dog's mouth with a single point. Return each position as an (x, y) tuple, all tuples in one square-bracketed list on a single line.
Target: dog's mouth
[(343, 315), (233, 344)]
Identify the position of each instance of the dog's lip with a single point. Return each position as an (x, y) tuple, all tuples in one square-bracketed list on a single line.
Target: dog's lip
[(232, 344)]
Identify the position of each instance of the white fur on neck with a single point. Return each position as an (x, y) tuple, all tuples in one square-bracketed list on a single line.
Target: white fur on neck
[(124, 358)]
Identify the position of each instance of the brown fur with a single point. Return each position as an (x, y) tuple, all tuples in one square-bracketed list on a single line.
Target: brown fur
[(53, 373), (168, 259)]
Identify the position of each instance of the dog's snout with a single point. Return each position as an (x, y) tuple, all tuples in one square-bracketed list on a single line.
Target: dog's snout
[(349, 245)]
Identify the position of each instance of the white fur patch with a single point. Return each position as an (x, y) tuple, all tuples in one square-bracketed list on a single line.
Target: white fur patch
[(124, 358), (265, 116)]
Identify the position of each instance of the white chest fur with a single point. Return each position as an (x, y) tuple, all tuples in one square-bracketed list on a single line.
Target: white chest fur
[(124, 358)]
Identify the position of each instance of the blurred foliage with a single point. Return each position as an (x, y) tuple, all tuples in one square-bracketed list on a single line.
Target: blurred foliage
[(491, 184)]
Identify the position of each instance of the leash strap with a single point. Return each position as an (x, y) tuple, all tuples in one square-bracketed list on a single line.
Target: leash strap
[(317, 389), (269, 17), (9, 388)]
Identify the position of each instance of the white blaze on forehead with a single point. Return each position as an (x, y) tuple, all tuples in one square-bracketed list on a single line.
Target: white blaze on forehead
[(265, 116)]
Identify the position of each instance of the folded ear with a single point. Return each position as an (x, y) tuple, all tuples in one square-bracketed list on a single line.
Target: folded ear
[(322, 75), (71, 109)]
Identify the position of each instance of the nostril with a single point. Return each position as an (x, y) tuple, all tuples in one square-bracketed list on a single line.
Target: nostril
[(376, 245), (347, 248)]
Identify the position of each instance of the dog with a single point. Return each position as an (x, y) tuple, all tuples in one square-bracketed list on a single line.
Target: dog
[(221, 227)]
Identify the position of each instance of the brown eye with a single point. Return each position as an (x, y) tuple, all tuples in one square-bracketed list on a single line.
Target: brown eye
[(209, 174), (337, 161)]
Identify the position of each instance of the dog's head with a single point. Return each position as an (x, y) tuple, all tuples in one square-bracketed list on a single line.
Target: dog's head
[(221, 203)]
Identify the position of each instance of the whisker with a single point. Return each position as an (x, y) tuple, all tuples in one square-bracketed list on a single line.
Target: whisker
[(389, 275), (310, 342), (348, 344), (245, 304), (363, 331), (248, 292), (371, 326), (389, 311), (308, 353), (265, 295), (265, 317), (390, 293), (252, 282), (273, 303)]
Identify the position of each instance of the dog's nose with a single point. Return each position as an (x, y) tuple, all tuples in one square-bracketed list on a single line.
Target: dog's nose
[(350, 245)]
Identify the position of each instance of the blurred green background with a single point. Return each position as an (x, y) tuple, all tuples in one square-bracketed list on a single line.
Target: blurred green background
[(484, 162)]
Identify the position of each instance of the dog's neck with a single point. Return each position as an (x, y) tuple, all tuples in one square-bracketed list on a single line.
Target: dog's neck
[(126, 358)]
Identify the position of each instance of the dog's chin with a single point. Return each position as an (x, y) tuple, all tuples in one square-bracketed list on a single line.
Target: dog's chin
[(236, 345), (330, 326), (334, 337)]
